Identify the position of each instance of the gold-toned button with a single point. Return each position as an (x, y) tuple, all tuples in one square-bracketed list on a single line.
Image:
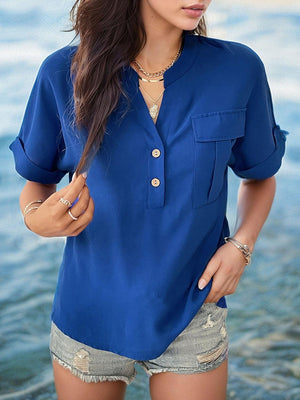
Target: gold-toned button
[(155, 182), (155, 153)]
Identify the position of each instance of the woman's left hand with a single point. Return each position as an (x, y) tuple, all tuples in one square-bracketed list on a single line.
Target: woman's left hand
[(226, 268)]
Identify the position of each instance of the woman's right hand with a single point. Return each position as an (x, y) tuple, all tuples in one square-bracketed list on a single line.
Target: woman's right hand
[(52, 218)]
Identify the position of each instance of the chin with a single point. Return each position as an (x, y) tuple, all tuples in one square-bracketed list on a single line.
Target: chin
[(189, 25)]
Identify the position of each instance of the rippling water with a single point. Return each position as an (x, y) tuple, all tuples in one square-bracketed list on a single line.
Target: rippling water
[(263, 318)]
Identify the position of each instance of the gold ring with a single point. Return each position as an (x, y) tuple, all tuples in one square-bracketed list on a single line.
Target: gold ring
[(72, 216), (65, 202)]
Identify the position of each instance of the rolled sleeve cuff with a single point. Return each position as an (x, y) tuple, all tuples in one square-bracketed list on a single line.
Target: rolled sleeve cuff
[(271, 165), (29, 170)]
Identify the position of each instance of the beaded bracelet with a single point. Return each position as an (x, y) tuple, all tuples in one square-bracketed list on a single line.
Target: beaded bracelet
[(244, 249)]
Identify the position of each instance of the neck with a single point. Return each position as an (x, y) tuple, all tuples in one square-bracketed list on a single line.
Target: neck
[(163, 41)]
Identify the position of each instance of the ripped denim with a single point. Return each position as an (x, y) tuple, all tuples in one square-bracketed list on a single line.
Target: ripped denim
[(200, 347)]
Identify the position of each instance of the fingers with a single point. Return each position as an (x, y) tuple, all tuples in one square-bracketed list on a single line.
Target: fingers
[(53, 215), (62, 192), (221, 286), (82, 203), (225, 269), (208, 273), (75, 188), (82, 206), (82, 209), (70, 193), (75, 227)]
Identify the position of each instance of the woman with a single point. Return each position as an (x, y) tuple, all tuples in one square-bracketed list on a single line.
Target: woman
[(150, 113)]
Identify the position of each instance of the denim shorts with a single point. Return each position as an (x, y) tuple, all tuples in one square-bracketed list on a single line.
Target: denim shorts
[(200, 347)]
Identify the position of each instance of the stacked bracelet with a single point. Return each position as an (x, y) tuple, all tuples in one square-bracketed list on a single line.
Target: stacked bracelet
[(30, 207), (244, 249)]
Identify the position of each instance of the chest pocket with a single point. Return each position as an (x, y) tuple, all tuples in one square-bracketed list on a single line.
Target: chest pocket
[(214, 135)]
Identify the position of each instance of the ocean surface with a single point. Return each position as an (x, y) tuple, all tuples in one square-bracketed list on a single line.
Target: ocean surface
[(263, 318)]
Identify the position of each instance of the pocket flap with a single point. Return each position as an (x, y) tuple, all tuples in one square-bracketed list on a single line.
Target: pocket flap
[(219, 125)]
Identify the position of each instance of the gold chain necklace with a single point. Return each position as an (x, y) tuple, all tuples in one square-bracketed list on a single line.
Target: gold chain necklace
[(162, 71), (153, 110)]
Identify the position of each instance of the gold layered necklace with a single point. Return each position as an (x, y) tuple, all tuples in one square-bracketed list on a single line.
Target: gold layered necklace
[(158, 73), (154, 108)]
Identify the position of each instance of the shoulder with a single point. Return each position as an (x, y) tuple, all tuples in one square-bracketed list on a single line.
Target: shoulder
[(57, 63), (235, 54), (231, 49)]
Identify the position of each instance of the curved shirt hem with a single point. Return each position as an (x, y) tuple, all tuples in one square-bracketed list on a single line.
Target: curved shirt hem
[(138, 355)]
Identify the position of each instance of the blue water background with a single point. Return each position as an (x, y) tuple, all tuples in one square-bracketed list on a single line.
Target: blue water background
[(263, 318)]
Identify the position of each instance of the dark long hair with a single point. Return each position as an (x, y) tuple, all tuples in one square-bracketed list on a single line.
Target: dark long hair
[(111, 35)]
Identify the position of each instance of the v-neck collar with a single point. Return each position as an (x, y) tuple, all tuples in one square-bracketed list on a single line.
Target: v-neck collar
[(184, 61), (178, 69), (130, 81)]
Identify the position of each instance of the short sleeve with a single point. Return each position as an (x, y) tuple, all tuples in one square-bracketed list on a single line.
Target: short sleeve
[(258, 154), (39, 144)]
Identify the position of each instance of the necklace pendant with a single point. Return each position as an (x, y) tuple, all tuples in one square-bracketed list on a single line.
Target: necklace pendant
[(153, 111)]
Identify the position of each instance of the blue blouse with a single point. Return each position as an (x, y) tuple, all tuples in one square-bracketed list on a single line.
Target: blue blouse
[(128, 282)]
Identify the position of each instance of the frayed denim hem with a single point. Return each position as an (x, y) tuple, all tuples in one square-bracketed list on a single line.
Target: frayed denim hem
[(183, 371), (202, 367), (91, 378)]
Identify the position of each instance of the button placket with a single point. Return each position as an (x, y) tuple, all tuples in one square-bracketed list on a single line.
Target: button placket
[(155, 194), (156, 184)]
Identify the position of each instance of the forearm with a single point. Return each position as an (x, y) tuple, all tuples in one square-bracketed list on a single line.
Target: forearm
[(33, 191), (255, 199)]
